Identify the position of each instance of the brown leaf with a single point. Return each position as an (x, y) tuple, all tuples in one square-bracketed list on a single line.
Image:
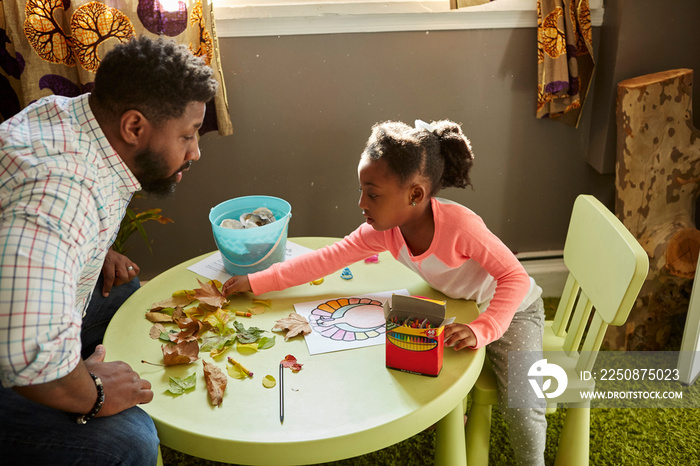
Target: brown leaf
[(156, 330), (295, 324), (190, 327), (209, 294), (173, 301), (156, 317), (216, 382), (181, 353)]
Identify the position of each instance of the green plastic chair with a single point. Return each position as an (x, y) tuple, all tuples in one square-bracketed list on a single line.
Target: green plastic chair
[(607, 268)]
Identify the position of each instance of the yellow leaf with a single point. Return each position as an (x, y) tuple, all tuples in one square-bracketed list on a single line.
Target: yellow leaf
[(236, 372), (257, 310), (263, 302), (215, 353), (247, 348), (269, 381)]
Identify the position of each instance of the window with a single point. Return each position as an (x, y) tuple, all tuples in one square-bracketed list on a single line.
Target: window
[(244, 18)]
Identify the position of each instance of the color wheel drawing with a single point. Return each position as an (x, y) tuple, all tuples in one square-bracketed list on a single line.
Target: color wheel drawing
[(349, 319), (346, 323)]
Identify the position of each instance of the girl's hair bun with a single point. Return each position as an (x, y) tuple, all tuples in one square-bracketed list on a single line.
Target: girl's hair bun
[(456, 151)]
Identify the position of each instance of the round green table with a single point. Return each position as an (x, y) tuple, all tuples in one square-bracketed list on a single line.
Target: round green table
[(340, 405)]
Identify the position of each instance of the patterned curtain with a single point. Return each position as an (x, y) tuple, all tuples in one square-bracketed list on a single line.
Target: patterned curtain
[(564, 58), (54, 46)]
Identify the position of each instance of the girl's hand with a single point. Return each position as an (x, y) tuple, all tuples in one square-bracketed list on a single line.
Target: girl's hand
[(459, 336), (236, 284)]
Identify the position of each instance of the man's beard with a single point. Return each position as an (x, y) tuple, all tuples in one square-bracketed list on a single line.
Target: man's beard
[(153, 175)]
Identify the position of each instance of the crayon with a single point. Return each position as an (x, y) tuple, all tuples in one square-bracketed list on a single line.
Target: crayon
[(243, 313), (236, 363)]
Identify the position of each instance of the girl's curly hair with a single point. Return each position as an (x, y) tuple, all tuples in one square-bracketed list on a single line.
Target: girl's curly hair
[(444, 156)]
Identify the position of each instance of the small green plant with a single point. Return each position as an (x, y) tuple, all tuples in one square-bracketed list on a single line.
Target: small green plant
[(133, 221)]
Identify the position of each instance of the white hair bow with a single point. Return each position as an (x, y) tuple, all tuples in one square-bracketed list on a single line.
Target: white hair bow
[(420, 124)]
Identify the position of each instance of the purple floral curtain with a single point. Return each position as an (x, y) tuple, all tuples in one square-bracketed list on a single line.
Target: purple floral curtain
[(564, 58), (54, 46)]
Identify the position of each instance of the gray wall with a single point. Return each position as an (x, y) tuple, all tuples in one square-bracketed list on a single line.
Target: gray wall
[(302, 108)]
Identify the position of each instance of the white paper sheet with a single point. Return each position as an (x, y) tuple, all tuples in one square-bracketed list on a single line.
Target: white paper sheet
[(345, 323), (213, 266)]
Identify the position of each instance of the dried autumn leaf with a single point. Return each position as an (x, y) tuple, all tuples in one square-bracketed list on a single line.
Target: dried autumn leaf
[(291, 362), (156, 330), (217, 318), (180, 300), (295, 324), (209, 294), (263, 302), (216, 382), (257, 310), (157, 317), (180, 353), (191, 328)]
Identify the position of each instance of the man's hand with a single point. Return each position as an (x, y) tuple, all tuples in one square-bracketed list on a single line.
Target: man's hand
[(76, 392), (117, 270), (459, 336), (122, 385), (236, 284)]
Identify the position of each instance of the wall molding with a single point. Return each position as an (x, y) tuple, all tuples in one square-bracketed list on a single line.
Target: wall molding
[(369, 17)]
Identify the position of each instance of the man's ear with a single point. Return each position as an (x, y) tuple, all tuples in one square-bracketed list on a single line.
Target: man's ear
[(133, 127)]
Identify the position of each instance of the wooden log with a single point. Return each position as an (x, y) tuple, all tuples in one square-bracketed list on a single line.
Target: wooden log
[(657, 184)]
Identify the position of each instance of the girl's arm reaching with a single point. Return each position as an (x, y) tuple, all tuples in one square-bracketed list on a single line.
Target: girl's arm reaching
[(357, 246), (237, 283)]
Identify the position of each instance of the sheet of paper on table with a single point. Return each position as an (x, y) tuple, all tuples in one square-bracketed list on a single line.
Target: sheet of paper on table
[(213, 266), (345, 323)]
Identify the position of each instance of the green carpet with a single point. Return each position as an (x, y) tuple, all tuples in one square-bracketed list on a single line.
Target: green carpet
[(620, 437)]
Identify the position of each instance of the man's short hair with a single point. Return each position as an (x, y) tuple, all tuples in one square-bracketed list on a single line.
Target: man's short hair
[(157, 77)]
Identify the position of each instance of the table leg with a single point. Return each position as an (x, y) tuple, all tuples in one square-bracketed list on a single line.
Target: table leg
[(450, 447)]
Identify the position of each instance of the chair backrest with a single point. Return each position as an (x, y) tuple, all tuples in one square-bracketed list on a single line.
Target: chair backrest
[(607, 268)]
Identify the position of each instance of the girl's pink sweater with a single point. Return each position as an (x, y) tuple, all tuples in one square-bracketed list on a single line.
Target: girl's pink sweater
[(464, 261)]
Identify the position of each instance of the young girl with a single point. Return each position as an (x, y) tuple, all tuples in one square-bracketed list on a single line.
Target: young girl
[(401, 171)]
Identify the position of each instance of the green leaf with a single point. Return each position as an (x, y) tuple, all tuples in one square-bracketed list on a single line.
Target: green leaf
[(165, 336), (178, 386), (266, 342), (250, 335), (216, 342)]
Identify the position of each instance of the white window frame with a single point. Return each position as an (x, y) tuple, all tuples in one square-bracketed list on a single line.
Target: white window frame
[(250, 18)]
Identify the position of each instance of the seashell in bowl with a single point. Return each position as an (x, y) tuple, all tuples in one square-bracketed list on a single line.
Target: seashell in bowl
[(232, 223), (259, 217), (264, 214)]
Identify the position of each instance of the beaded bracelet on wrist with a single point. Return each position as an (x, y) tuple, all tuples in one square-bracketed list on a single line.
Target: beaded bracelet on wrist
[(84, 418)]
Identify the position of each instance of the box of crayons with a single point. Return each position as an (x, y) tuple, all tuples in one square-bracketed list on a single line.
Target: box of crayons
[(415, 334)]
